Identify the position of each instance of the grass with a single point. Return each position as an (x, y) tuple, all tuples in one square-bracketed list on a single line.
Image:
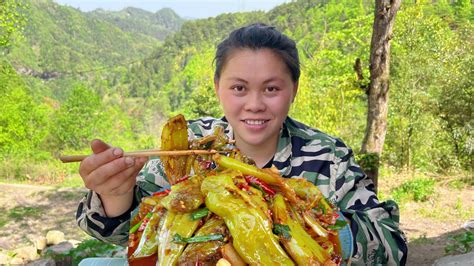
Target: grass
[(24, 171), (87, 249), (72, 181), (461, 183), (444, 198), (419, 189), (455, 210), (422, 240), (460, 243), (3, 219), (19, 213)]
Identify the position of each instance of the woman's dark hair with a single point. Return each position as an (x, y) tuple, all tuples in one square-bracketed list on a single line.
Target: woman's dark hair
[(259, 36)]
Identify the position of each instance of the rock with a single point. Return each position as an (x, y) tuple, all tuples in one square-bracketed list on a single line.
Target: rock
[(464, 260), (54, 237), (61, 248), (57, 252), (17, 261), (74, 242), (42, 262), (27, 253), (469, 225), (40, 243), (4, 259), (4, 243)]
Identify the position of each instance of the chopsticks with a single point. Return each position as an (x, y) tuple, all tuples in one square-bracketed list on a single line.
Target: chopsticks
[(144, 153)]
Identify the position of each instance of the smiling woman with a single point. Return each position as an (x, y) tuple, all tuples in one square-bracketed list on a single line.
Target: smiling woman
[(256, 80)]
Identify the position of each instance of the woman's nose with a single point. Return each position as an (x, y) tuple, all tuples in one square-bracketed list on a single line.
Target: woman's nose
[(255, 103)]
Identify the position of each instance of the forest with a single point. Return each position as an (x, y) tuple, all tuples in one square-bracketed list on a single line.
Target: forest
[(68, 77)]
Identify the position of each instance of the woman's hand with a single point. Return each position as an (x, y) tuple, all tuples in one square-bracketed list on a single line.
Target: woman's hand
[(111, 176)]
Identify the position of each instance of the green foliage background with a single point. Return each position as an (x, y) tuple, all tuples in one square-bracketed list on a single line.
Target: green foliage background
[(76, 76)]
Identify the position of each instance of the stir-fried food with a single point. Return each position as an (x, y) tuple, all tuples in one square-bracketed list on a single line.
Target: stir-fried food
[(222, 209)]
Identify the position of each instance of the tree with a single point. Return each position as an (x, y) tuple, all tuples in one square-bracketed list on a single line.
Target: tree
[(78, 120), (12, 20), (372, 145), (23, 123)]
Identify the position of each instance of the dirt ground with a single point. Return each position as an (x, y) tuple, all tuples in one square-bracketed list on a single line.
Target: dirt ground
[(49, 208), (31, 211)]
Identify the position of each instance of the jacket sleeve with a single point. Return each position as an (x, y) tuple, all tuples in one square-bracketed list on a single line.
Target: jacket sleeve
[(377, 238), (91, 216)]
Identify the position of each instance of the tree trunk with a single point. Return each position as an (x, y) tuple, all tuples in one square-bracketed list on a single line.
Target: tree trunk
[(372, 145)]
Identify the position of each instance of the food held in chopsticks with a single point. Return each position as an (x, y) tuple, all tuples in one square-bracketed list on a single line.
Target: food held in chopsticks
[(222, 209)]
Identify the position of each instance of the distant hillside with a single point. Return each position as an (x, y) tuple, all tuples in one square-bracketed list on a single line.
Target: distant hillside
[(90, 78), (431, 65), (135, 20), (63, 39)]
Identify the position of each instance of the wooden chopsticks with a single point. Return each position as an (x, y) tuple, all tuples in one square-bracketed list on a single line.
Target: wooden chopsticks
[(144, 153)]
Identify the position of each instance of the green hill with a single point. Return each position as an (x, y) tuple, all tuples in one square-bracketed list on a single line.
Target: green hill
[(431, 65), (157, 25), (90, 78), (63, 39)]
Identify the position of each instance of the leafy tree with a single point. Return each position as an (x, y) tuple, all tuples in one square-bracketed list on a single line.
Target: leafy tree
[(431, 67), (105, 89), (23, 123), (12, 20), (78, 120)]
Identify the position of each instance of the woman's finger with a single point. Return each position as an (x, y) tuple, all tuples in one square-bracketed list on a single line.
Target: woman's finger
[(95, 161), (108, 170), (99, 146), (115, 181), (120, 183)]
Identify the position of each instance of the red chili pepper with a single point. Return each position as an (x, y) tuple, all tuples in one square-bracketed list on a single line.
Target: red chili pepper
[(184, 178), (143, 225), (265, 187), (243, 186), (161, 193), (270, 213), (205, 164)]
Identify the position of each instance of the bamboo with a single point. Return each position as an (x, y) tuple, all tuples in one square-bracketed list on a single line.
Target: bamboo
[(144, 153)]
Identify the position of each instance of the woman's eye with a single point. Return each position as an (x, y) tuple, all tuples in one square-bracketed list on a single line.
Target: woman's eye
[(271, 89), (238, 88)]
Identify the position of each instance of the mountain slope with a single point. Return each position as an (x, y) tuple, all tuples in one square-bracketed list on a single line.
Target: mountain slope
[(157, 25), (63, 39)]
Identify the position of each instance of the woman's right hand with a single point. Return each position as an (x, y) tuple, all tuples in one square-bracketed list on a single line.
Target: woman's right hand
[(111, 175)]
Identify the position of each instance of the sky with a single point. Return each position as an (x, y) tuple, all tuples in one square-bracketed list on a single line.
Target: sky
[(184, 8)]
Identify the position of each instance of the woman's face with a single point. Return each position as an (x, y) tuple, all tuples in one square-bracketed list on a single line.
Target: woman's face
[(255, 90)]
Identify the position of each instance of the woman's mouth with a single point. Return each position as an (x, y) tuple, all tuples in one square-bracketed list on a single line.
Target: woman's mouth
[(255, 122)]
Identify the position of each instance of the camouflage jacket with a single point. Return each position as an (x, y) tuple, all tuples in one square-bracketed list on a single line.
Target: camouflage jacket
[(302, 152)]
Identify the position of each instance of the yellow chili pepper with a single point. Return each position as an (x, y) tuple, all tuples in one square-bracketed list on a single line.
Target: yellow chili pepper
[(249, 226), (303, 249)]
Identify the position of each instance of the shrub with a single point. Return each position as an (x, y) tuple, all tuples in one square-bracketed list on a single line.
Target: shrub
[(460, 243), (418, 189), (87, 249)]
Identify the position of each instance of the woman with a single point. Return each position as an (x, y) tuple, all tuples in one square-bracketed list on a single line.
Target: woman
[(256, 81)]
